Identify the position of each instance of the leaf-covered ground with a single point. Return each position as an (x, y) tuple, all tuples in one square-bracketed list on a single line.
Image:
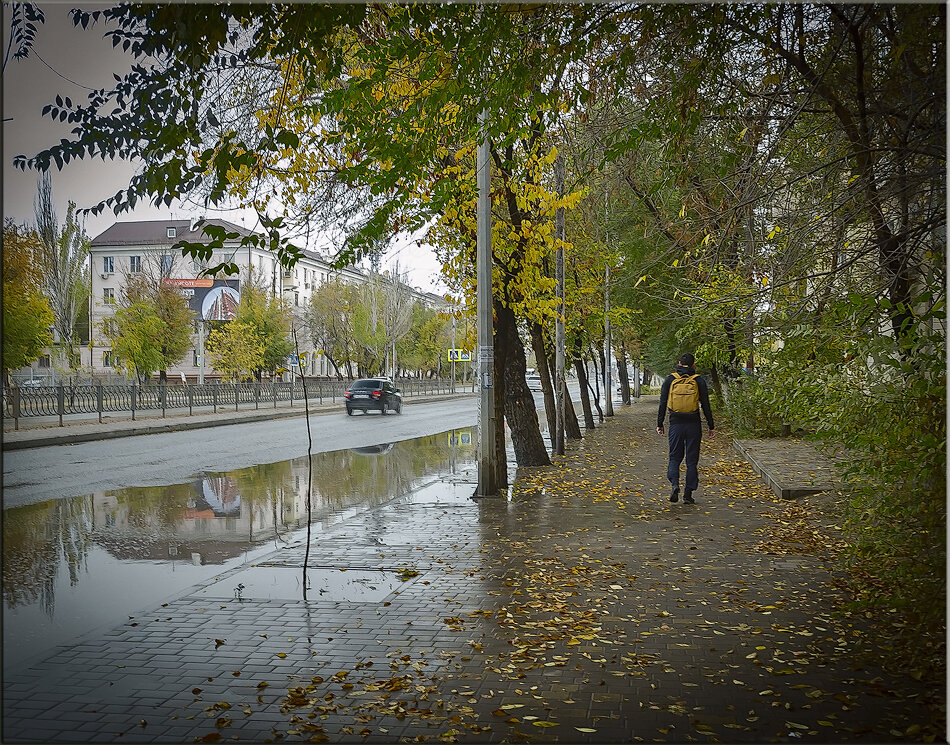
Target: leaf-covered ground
[(590, 608)]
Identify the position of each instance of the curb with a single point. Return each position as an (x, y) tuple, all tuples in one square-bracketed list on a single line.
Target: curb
[(65, 436), (780, 489)]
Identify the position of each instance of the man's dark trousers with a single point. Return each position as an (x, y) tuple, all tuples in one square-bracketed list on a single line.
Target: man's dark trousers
[(685, 437)]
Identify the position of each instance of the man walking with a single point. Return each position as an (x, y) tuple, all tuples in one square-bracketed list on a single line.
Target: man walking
[(683, 394)]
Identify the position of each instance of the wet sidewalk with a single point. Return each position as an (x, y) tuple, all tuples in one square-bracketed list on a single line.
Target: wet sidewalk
[(792, 468), (584, 608)]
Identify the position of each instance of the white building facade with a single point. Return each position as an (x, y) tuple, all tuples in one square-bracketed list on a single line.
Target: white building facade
[(130, 248)]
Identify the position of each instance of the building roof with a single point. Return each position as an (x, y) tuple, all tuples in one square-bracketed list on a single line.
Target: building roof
[(155, 232)]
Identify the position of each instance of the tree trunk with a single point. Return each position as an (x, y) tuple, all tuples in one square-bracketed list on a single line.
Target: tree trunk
[(520, 411), (604, 363), (585, 396), (717, 383), (624, 378), (729, 325), (544, 370), (572, 430), (498, 401), (595, 389)]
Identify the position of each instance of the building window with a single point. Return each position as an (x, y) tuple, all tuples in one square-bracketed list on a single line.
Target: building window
[(107, 359), (135, 264), (108, 295), (166, 264), (108, 327), (196, 358), (296, 298), (44, 362), (108, 264), (172, 232)]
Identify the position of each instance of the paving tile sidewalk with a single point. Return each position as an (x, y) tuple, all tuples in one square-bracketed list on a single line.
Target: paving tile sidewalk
[(585, 608), (792, 468)]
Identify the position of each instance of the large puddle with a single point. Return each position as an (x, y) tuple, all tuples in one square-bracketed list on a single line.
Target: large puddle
[(72, 566)]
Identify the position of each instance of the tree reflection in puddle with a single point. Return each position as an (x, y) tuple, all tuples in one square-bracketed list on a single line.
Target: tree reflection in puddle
[(74, 565)]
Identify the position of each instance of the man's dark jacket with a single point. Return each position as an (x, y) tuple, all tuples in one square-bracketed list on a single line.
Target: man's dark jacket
[(689, 416)]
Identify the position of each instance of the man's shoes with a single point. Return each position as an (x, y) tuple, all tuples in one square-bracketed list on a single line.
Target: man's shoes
[(675, 495), (688, 497)]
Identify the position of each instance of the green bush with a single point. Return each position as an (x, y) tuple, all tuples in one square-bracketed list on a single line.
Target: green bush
[(883, 400), (750, 409)]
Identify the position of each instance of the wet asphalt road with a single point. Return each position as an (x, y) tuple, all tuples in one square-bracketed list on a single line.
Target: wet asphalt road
[(64, 471)]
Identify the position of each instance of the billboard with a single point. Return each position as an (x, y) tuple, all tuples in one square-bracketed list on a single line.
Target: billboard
[(210, 299)]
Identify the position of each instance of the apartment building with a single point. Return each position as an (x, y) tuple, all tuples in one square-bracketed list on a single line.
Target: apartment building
[(130, 248)]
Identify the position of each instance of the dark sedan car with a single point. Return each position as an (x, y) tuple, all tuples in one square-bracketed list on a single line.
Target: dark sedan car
[(369, 394)]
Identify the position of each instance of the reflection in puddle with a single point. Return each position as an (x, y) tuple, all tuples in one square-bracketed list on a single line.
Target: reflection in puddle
[(74, 565), (269, 582)]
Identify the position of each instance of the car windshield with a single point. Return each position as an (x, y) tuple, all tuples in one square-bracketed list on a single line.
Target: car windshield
[(362, 385)]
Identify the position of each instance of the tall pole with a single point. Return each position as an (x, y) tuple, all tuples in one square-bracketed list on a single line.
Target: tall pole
[(201, 350), (560, 388), (608, 379), (92, 365), (453, 350), (487, 422)]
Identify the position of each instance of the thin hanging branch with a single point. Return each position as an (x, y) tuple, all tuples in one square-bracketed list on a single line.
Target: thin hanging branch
[(306, 409)]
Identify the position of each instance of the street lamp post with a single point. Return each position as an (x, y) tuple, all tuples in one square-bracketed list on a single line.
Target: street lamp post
[(559, 383), (487, 423)]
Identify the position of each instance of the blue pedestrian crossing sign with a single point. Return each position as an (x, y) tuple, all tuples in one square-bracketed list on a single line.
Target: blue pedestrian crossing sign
[(459, 355)]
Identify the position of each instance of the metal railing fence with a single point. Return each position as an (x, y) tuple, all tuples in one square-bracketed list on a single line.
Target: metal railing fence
[(97, 398)]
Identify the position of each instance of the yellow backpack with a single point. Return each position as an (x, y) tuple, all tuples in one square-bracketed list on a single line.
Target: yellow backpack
[(684, 394)]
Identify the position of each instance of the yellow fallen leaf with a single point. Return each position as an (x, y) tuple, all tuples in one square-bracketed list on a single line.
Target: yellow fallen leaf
[(281, 655), (585, 729), (543, 723)]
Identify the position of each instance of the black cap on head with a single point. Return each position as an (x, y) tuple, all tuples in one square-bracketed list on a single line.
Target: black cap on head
[(687, 360)]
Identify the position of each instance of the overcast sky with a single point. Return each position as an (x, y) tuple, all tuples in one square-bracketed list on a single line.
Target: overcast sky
[(70, 61)]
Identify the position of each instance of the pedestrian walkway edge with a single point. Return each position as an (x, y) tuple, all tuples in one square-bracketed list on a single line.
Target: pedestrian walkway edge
[(783, 471)]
